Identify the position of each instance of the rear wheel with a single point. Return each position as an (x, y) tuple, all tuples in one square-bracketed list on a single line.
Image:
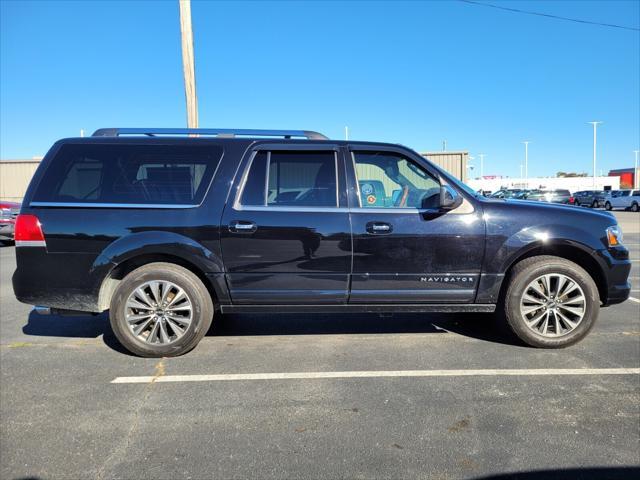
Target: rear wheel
[(634, 207), (607, 206), (551, 302), (160, 310)]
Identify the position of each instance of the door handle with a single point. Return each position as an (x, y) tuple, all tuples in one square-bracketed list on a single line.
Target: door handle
[(379, 228), (242, 226)]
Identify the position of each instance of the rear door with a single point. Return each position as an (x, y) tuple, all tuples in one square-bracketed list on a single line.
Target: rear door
[(286, 237), (401, 251)]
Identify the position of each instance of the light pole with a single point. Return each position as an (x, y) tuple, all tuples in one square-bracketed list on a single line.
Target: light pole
[(526, 164), (481, 155), (346, 133), (188, 67), (636, 180), (595, 125)]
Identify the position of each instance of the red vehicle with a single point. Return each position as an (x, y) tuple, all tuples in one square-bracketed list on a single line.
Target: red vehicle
[(8, 213)]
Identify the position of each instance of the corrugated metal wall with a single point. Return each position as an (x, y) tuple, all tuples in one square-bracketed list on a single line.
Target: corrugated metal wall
[(453, 162), (15, 176)]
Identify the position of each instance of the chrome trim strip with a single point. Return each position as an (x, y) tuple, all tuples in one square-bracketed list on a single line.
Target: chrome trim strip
[(111, 205), (30, 243), (258, 208)]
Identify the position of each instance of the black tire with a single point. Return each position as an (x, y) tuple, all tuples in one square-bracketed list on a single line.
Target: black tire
[(576, 203), (201, 306), (607, 206), (526, 272), (634, 207), (594, 204)]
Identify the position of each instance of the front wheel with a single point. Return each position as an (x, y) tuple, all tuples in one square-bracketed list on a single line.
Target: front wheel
[(607, 206), (551, 302), (160, 310), (634, 207)]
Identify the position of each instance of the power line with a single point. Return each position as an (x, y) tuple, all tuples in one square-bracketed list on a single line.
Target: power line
[(557, 17)]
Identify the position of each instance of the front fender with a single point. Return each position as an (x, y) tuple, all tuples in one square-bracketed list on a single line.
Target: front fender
[(528, 239)]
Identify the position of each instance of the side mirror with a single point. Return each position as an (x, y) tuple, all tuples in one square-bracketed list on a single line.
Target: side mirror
[(449, 198)]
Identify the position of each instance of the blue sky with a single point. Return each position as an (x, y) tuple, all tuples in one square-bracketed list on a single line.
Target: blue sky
[(405, 72)]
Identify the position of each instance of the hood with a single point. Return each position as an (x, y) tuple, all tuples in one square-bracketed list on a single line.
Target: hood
[(551, 209)]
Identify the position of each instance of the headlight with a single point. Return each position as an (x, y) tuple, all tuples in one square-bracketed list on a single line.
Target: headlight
[(614, 236)]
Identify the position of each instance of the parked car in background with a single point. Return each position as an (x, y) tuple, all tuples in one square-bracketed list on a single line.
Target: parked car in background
[(624, 199), (506, 193), (8, 213), (551, 196), (589, 198)]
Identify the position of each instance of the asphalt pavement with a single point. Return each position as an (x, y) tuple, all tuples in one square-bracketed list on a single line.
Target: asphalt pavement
[(499, 416)]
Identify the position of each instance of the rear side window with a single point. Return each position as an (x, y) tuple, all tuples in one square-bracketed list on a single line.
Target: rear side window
[(291, 179), (129, 174)]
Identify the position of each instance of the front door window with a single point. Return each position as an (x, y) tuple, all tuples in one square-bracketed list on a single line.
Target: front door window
[(390, 180)]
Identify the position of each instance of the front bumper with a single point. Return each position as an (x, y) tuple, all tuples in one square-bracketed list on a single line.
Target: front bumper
[(617, 266), (6, 231)]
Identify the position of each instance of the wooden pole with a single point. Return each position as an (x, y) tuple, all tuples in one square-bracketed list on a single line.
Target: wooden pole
[(188, 66)]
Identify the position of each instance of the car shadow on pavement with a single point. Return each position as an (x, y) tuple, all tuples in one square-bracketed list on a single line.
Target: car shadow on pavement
[(481, 326), (474, 325), (589, 473), (77, 326)]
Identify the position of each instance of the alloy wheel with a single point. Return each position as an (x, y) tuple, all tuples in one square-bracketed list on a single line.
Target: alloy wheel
[(158, 312), (553, 305)]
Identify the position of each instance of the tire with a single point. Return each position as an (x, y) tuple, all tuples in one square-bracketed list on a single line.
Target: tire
[(607, 206), (634, 207), (168, 332), (594, 204), (529, 271), (576, 203)]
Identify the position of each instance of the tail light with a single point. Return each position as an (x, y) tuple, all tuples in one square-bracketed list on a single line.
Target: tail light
[(28, 232), (572, 200)]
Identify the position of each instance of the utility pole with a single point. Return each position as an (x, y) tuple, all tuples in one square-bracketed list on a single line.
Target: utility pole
[(444, 145), (636, 180), (188, 67), (481, 155), (595, 125), (346, 133), (526, 163)]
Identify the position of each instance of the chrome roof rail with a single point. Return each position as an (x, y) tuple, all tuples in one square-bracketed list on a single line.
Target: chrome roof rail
[(218, 132)]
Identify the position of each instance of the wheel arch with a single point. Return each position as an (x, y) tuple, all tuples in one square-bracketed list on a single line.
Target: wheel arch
[(134, 251), (568, 251)]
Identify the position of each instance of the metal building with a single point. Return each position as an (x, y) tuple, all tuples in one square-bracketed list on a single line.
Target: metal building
[(15, 176), (453, 162)]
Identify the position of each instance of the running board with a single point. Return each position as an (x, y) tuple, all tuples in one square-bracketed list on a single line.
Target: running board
[(361, 308)]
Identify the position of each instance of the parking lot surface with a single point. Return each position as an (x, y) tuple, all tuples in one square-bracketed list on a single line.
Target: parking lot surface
[(74, 404)]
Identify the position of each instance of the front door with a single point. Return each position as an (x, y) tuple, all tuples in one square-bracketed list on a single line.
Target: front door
[(286, 237), (403, 250)]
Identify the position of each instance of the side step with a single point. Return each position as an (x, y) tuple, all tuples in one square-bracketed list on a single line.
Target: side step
[(361, 308)]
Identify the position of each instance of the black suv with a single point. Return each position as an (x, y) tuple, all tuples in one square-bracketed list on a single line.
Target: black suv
[(164, 231)]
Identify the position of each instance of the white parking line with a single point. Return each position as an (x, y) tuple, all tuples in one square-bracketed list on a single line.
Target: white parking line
[(634, 299), (379, 373)]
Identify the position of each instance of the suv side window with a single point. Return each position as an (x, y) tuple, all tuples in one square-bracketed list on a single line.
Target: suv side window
[(129, 174), (291, 179), (390, 180)]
